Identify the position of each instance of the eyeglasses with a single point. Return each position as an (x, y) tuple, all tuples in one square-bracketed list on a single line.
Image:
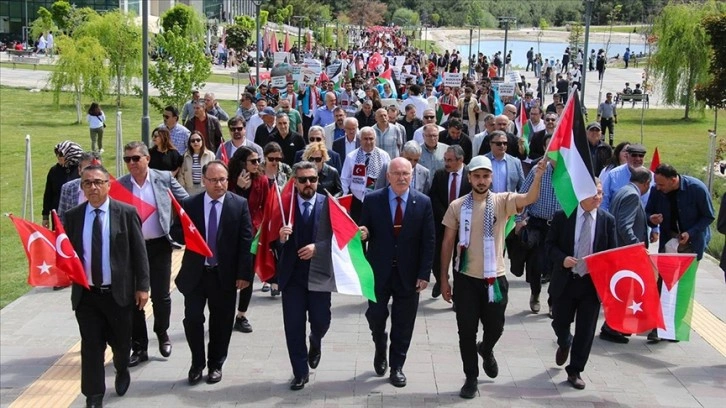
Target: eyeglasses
[(220, 180), (550, 120), (637, 155), (315, 139), (90, 183), (500, 144), (254, 161), (316, 159), (274, 159), (237, 129), (129, 159), (196, 140), (429, 117), (303, 180)]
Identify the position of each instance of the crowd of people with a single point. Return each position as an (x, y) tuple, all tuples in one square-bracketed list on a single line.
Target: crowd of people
[(428, 192)]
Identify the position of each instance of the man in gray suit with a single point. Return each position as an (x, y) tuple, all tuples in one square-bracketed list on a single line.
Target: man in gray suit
[(508, 175), (106, 234), (421, 179), (151, 186)]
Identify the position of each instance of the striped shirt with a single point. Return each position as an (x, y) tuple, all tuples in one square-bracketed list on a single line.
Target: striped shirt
[(196, 169), (546, 203)]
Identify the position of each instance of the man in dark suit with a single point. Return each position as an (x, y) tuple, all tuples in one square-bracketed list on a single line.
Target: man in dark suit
[(223, 219), (573, 294), (454, 135), (351, 141), (398, 223), (296, 247), (448, 184), (151, 186), (107, 236)]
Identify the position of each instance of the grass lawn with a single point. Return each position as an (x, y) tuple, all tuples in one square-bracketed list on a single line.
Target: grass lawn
[(684, 144)]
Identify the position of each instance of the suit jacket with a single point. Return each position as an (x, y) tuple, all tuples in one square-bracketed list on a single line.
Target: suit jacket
[(161, 181), (631, 223), (413, 249), (339, 146), (129, 261), (288, 250), (439, 193), (515, 174), (560, 243), (421, 182), (512, 146), (234, 237), (334, 160)]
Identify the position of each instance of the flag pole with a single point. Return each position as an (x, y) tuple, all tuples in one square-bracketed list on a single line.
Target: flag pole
[(28, 186), (279, 201), (559, 120), (292, 206)]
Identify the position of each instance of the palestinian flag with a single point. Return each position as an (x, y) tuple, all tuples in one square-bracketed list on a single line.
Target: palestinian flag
[(386, 77), (524, 128), (339, 264), (678, 272), (572, 177), (443, 111)]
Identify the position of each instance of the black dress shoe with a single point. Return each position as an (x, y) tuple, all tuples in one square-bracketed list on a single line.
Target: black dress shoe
[(561, 355), (576, 381), (613, 336), (241, 324), (380, 362), (298, 383), (397, 378), (164, 344), (94, 401), (274, 292), (123, 380), (436, 290), (195, 375), (313, 357), (214, 376), (490, 366), (653, 337), (138, 357), (469, 389)]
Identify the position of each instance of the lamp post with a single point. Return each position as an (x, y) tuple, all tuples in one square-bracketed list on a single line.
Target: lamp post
[(257, 4), (471, 33), (298, 20), (426, 41), (478, 46), (506, 21), (588, 17), (145, 120)]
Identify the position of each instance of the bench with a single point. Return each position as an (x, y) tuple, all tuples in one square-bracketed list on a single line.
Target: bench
[(622, 98), (20, 59)]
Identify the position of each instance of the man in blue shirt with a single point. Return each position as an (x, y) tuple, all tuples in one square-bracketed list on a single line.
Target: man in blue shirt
[(324, 115)]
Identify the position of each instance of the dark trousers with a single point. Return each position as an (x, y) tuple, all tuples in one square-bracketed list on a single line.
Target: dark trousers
[(538, 263), (609, 125), (245, 296), (101, 320), (221, 319), (436, 266), (298, 306), (159, 252), (307, 121), (403, 318), (472, 299), (578, 303)]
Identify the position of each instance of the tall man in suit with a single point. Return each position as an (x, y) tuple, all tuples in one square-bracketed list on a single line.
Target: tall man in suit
[(351, 141), (420, 178), (508, 174), (151, 186), (297, 247), (107, 236), (224, 219), (448, 184), (398, 223), (587, 230)]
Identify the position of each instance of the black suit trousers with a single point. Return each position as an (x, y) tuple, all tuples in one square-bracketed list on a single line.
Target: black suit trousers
[(159, 252), (101, 320), (298, 306), (473, 306), (578, 303), (221, 303), (403, 318)]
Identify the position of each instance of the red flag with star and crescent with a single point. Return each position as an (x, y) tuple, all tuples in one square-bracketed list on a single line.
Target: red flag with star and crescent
[(192, 237), (67, 259), (38, 243), (120, 193), (625, 280)]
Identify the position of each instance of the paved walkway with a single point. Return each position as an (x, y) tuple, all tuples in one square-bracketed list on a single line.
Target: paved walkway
[(39, 339)]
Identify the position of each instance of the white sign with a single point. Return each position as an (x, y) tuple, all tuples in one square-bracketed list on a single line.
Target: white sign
[(453, 79), (313, 64), (333, 69), (279, 82), (505, 89), (307, 76), (281, 58), (296, 73), (513, 76)]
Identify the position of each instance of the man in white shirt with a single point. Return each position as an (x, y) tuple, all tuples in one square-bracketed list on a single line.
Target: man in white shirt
[(361, 169)]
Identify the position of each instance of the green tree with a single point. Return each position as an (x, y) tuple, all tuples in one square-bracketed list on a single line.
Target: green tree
[(681, 59), (120, 36), (42, 24), (81, 68), (283, 14), (181, 66), (61, 11), (713, 91), (405, 17), (367, 13), (576, 39), (238, 37), (190, 23), (436, 19), (245, 22), (78, 18)]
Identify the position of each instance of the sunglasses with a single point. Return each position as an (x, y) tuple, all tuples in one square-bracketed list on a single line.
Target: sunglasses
[(129, 159), (237, 129), (303, 180), (196, 140), (316, 159), (315, 139), (429, 117), (274, 159), (640, 155), (500, 144), (254, 161)]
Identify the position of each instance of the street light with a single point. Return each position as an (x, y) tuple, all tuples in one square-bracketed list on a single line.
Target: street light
[(588, 17), (298, 19), (506, 21), (257, 4), (471, 33)]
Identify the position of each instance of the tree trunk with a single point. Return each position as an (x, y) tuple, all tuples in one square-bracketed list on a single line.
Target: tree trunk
[(118, 90), (78, 107), (688, 95)]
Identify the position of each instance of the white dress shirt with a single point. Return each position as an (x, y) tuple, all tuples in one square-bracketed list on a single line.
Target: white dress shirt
[(151, 228), (106, 246)]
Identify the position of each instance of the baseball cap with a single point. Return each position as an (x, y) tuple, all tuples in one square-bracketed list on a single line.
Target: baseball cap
[(636, 148), (480, 162), (594, 125), (267, 111)]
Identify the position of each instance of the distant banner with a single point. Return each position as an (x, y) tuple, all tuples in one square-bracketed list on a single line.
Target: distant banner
[(281, 57), (313, 64), (308, 76), (333, 69), (296, 73), (453, 79), (506, 89), (513, 76), (279, 82)]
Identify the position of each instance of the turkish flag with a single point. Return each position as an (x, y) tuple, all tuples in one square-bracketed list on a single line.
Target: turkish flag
[(656, 160), (359, 170), (119, 192), (346, 201), (265, 266), (66, 257), (192, 238), (625, 280), (224, 156), (41, 252)]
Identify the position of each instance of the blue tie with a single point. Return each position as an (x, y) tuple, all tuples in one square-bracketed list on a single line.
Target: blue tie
[(306, 212), (212, 234)]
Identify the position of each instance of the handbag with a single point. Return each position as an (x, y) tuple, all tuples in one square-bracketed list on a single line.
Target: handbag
[(102, 122)]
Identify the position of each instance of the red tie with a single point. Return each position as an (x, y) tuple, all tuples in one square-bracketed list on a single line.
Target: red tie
[(452, 188), (398, 218)]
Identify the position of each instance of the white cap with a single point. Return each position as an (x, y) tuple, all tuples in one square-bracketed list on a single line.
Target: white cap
[(480, 162)]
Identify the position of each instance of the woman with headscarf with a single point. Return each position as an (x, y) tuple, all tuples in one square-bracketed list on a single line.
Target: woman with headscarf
[(68, 154)]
